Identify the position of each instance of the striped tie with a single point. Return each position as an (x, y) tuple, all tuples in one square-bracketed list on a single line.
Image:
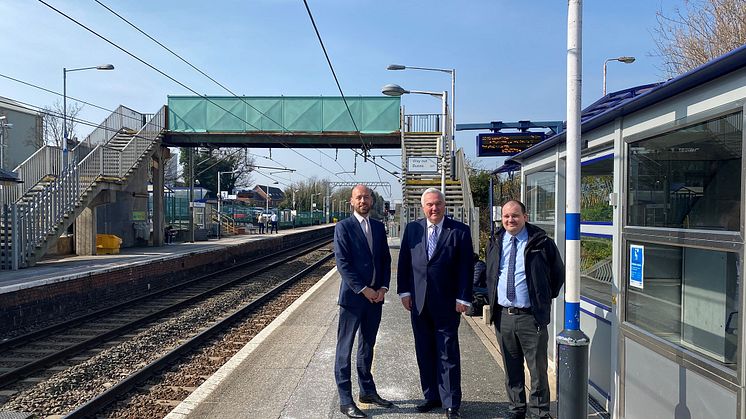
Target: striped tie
[(432, 241), (511, 268)]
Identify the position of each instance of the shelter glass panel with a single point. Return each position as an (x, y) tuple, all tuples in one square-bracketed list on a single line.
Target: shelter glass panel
[(689, 178), (540, 199), (596, 273), (687, 296), (596, 183)]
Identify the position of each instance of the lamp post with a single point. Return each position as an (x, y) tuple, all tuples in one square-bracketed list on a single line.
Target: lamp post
[(64, 103), (452, 72), (312, 195), (396, 90), (266, 209), (220, 199), (623, 59)]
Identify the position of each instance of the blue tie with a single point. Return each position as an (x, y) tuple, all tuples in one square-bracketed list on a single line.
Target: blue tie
[(432, 241), (511, 269)]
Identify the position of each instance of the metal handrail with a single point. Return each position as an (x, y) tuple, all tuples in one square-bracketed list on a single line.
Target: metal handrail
[(44, 162), (44, 212), (425, 122)]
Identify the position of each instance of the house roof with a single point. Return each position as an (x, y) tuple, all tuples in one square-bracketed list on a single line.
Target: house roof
[(625, 102)]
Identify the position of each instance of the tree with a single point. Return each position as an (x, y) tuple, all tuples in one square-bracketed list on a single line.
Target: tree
[(53, 124), (208, 162), (506, 187), (701, 31)]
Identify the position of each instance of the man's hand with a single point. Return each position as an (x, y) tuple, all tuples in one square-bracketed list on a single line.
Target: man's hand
[(407, 303), (381, 295), (461, 308), (370, 294)]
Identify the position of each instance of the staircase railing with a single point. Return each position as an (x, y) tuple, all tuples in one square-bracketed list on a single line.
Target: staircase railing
[(45, 161), (42, 215), (471, 213)]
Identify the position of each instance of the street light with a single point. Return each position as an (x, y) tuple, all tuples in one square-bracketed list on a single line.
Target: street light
[(452, 72), (623, 59), (266, 209), (64, 103), (396, 90), (312, 195), (220, 198)]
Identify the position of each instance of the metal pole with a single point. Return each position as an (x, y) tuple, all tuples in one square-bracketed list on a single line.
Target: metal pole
[(492, 205), (219, 199), (64, 117), (572, 343), (443, 128), (604, 90), (453, 124), (191, 194), (266, 206)]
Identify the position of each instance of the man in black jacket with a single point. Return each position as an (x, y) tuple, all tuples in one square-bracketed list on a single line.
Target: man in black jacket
[(524, 273)]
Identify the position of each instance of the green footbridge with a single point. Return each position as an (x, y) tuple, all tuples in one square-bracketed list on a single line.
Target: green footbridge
[(284, 121)]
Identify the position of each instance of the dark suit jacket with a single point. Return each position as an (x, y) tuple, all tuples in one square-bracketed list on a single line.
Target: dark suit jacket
[(355, 262), (444, 278), (545, 273)]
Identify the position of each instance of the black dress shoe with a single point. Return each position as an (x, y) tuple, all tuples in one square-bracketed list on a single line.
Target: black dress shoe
[(428, 405), (452, 413), (516, 415), (376, 400), (352, 411)]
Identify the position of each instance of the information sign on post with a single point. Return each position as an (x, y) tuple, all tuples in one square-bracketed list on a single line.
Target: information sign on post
[(496, 144), (422, 164), (636, 265)]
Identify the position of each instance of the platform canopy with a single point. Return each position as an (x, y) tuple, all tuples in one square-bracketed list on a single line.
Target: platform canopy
[(295, 121)]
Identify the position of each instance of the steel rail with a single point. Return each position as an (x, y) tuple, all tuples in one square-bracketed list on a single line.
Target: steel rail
[(26, 369), (95, 405)]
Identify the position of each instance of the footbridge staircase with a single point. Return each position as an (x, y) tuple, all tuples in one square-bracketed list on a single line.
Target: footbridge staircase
[(422, 167), (35, 213)]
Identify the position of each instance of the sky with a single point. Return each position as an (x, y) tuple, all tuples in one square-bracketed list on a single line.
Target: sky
[(510, 58)]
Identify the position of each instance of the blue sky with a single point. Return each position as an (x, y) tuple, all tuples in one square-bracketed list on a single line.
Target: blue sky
[(510, 56)]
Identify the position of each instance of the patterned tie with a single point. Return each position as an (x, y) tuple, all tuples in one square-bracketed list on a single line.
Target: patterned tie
[(369, 238), (511, 268), (432, 241), (368, 235)]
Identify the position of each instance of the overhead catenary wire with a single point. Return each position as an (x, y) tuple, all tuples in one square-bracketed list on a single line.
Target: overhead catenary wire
[(284, 129), (161, 72)]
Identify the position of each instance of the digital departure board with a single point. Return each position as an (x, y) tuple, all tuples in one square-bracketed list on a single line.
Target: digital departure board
[(496, 144)]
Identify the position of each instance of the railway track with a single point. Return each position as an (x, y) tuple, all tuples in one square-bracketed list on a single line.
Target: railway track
[(80, 366)]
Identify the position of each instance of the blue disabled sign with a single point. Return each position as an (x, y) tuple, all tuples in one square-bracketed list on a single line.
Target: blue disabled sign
[(636, 265)]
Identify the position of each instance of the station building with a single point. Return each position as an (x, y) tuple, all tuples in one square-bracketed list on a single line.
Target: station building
[(662, 248)]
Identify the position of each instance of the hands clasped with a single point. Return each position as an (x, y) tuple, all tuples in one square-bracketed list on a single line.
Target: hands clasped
[(374, 296)]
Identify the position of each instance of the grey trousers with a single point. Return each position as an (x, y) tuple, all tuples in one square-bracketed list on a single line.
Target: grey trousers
[(520, 338)]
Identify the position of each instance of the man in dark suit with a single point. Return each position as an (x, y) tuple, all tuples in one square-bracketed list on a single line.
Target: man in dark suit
[(364, 262), (524, 273), (434, 282)]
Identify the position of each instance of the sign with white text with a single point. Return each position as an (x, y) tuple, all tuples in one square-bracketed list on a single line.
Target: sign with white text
[(422, 164), (636, 265)]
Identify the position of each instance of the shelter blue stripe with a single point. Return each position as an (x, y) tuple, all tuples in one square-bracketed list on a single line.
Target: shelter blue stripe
[(572, 226), (572, 316)]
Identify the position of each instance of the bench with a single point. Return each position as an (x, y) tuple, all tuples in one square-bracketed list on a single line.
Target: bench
[(251, 228)]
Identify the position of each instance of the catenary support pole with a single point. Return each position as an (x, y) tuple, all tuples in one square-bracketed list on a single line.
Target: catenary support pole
[(572, 343)]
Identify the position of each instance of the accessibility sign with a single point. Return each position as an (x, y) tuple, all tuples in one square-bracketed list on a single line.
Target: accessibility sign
[(636, 265)]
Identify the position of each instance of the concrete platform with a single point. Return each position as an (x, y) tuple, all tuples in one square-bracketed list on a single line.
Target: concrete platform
[(287, 371), (63, 268), (62, 286)]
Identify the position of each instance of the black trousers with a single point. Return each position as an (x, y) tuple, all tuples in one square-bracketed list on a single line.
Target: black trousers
[(520, 338), (363, 322)]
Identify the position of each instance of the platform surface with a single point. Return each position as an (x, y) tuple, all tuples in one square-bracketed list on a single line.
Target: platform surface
[(288, 370), (65, 268)]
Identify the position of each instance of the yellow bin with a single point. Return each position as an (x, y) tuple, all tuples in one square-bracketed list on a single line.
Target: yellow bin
[(107, 244)]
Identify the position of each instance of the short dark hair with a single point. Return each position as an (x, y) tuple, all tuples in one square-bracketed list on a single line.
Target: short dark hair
[(520, 204)]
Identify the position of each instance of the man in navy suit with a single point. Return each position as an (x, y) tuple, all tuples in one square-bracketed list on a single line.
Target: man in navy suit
[(434, 281), (364, 262)]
